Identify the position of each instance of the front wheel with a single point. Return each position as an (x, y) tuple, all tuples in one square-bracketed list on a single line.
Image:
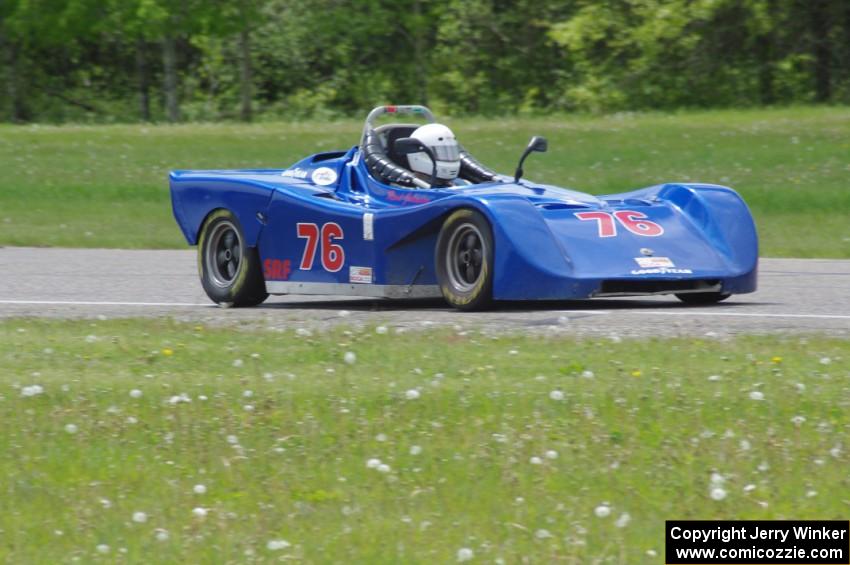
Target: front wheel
[(230, 270), (696, 298), (464, 260)]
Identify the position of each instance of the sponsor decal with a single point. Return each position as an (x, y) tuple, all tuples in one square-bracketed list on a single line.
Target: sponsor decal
[(368, 227), (324, 176), (277, 269), (662, 271), (296, 173), (410, 197), (654, 262), (360, 275)]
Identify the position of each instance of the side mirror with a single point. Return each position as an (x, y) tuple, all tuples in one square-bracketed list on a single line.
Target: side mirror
[(538, 144), (408, 145)]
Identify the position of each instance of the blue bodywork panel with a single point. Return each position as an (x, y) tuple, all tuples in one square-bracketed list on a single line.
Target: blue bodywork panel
[(326, 220)]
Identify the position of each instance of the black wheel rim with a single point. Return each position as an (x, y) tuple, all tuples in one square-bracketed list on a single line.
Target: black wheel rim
[(224, 254), (465, 257)]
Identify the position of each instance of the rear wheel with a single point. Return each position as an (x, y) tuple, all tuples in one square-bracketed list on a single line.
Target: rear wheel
[(464, 260), (230, 271), (697, 298)]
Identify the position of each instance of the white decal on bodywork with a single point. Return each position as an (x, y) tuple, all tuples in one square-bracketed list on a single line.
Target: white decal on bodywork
[(297, 173), (654, 262), (368, 227), (324, 176), (360, 275), (662, 272)]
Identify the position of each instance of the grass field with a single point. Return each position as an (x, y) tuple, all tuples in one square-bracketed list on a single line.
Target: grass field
[(106, 186), (164, 443)]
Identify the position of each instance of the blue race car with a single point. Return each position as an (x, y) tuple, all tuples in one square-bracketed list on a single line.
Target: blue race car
[(360, 222)]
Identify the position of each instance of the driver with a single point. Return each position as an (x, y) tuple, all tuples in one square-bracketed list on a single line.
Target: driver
[(443, 143)]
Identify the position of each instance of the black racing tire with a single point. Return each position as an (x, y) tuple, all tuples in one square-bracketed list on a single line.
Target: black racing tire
[(698, 298), (464, 260), (230, 270)]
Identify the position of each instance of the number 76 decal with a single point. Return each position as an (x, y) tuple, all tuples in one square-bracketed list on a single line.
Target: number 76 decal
[(333, 255), (635, 222)]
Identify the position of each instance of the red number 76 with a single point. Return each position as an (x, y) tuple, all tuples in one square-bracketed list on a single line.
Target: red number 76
[(333, 255), (635, 222)]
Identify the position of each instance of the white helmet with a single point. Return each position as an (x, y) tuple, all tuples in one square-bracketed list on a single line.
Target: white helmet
[(442, 142)]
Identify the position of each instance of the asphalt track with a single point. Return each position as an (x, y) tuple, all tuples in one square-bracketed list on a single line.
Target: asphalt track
[(795, 295)]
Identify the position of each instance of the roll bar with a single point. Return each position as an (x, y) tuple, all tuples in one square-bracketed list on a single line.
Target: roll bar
[(407, 110)]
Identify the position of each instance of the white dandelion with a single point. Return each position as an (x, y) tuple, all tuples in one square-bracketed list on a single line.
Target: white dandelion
[(102, 548), (416, 450), (140, 517), (623, 520), (199, 512), (381, 330), (350, 357), (199, 489), (718, 493), (465, 554), (277, 544), (756, 395), (411, 394), (373, 463), (602, 511), (556, 395), (551, 454), (71, 428), (535, 460), (32, 390)]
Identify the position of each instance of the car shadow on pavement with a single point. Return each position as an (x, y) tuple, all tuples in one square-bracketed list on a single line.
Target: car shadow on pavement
[(437, 304)]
